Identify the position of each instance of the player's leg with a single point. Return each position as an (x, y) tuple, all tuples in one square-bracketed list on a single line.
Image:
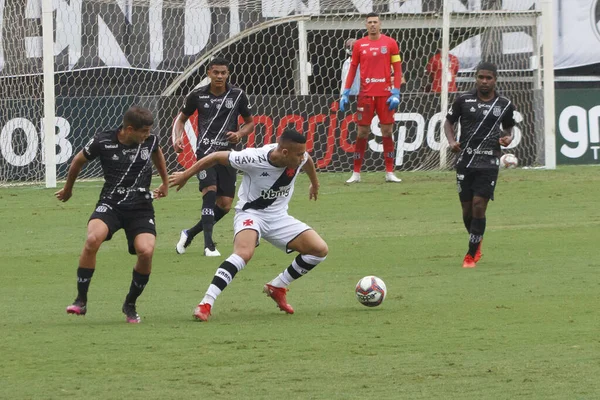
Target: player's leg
[(226, 177), (290, 235), (207, 184), (102, 224), (247, 236), (386, 123), (364, 116), (483, 186), (140, 230), (464, 182)]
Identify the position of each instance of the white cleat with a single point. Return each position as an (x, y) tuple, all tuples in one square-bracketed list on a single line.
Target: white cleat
[(211, 253), (180, 247), (355, 178), (390, 177)]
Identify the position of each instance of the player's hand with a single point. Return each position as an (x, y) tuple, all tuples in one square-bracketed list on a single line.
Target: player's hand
[(313, 191), (177, 179), (345, 100), (63, 195), (394, 100), (161, 191), (233, 137), (505, 141), (454, 146), (178, 145)]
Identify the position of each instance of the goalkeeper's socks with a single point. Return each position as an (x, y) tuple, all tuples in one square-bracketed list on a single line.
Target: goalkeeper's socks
[(359, 153), (138, 283), (388, 153), (84, 276), (476, 235)]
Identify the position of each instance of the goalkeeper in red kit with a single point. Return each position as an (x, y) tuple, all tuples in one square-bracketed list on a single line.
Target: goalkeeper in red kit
[(376, 54)]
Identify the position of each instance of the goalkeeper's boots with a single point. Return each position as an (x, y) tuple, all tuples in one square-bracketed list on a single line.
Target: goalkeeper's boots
[(131, 314), (202, 312), (478, 253), (469, 262), (391, 177), (79, 307), (184, 241), (355, 178), (278, 294)]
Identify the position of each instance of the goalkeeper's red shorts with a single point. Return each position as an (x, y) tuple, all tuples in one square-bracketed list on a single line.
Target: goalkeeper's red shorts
[(367, 106)]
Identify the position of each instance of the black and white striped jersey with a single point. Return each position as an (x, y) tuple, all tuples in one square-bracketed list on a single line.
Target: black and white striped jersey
[(217, 115), (480, 128), (127, 169), (264, 186)]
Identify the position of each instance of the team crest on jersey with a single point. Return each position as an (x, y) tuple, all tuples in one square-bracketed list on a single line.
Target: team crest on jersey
[(145, 154), (496, 111), (383, 50), (229, 103)]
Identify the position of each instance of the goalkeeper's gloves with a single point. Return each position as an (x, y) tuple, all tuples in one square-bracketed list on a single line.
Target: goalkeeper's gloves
[(394, 99), (344, 101)]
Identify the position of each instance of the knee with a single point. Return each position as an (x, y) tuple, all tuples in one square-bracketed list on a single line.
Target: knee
[(245, 254), (93, 242), (225, 206), (144, 251), (321, 250)]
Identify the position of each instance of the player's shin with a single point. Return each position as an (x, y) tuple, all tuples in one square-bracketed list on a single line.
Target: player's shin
[(359, 153), (388, 153), (138, 283), (84, 277), (302, 264), (208, 216), (467, 219), (196, 229), (223, 277), (476, 235)]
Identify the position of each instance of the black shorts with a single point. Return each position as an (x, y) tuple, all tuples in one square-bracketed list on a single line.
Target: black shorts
[(135, 220), (221, 176), (472, 182)]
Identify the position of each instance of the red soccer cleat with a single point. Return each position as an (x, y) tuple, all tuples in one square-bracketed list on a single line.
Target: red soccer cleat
[(278, 294), (469, 262), (131, 315), (202, 312), (478, 253), (78, 308)]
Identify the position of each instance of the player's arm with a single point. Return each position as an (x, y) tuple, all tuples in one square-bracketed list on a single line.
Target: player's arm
[(451, 118), (245, 130), (508, 123), (66, 192), (158, 159), (309, 168), (394, 100), (179, 179), (355, 61), (178, 131)]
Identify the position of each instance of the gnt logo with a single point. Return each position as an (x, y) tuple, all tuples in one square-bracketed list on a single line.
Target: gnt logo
[(21, 140), (580, 128), (595, 20)]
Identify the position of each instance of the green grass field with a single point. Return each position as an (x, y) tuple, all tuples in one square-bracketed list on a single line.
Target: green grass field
[(523, 325)]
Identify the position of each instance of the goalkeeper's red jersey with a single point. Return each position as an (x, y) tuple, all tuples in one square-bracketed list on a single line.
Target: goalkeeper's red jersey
[(375, 59)]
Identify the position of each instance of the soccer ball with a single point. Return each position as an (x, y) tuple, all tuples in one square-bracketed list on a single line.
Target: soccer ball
[(509, 161), (370, 291)]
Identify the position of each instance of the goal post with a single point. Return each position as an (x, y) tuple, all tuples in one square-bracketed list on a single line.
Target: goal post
[(287, 55)]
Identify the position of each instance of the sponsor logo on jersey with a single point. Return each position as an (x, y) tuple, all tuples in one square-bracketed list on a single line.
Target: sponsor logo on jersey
[(203, 97), (479, 105), (111, 146), (364, 45), (471, 101), (249, 160), (270, 194), (145, 154), (374, 80), (265, 174)]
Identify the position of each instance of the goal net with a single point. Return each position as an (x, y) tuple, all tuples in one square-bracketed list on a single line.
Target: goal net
[(286, 54)]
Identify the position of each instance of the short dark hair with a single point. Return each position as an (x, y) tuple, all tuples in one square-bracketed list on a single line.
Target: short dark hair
[(218, 61), (372, 14), (487, 66), (292, 135), (137, 117)]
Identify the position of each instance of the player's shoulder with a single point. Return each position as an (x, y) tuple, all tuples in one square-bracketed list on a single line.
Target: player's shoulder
[(109, 135), (503, 99), (469, 95), (235, 90), (200, 90)]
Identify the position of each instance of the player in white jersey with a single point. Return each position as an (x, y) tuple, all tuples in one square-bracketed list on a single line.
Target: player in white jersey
[(267, 186)]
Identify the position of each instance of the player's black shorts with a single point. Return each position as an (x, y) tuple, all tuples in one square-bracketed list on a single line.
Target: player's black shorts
[(223, 177), (472, 182), (134, 220)]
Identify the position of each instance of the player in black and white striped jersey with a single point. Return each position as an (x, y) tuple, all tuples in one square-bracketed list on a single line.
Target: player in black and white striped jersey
[(126, 155), (486, 123), (267, 186), (218, 105)]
